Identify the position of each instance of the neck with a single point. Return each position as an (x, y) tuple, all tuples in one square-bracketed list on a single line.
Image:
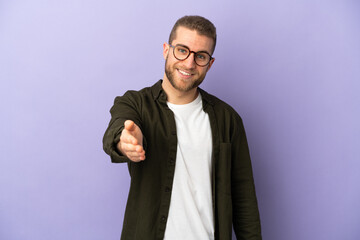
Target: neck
[(176, 96)]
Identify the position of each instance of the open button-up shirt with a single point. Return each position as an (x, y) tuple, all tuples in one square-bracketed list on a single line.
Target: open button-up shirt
[(233, 191)]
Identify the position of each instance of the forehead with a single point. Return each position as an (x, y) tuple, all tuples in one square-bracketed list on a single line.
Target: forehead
[(192, 39)]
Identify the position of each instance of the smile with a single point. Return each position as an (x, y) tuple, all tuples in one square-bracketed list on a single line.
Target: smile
[(184, 73)]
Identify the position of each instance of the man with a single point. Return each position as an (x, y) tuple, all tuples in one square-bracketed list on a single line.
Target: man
[(187, 154)]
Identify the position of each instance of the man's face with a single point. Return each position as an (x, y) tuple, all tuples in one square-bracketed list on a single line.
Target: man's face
[(185, 75)]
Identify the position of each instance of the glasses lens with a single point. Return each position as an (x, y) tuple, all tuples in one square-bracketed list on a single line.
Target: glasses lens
[(202, 58), (181, 52)]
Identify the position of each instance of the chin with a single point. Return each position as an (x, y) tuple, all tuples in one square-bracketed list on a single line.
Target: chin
[(185, 86)]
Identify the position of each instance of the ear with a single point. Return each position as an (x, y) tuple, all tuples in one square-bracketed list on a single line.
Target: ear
[(165, 50), (210, 64)]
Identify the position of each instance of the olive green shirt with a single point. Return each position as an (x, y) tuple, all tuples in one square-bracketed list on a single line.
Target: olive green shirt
[(233, 191)]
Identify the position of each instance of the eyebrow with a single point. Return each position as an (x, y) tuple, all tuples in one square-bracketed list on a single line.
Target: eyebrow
[(183, 45)]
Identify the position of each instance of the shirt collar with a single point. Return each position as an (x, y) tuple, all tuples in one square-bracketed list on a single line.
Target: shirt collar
[(157, 90)]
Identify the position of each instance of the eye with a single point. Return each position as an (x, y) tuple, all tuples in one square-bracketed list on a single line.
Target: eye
[(182, 50), (201, 56)]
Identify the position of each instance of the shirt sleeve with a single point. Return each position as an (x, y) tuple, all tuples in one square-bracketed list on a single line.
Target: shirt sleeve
[(127, 107)]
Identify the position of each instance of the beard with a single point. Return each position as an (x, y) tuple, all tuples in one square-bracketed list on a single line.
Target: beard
[(188, 85)]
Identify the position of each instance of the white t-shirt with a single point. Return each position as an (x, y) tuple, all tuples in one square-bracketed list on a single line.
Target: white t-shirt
[(191, 213)]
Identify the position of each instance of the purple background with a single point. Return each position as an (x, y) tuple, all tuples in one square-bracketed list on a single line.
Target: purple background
[(290, 68)]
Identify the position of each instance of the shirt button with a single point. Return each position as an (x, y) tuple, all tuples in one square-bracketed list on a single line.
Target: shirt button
[(173, 132), (163, 219), (167, 189)]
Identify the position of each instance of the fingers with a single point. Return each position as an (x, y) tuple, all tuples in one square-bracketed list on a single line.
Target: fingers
[(131, 142), (131, 133), (132, 148), (129, 125), (135, 153), (128, 137), (136, 157)]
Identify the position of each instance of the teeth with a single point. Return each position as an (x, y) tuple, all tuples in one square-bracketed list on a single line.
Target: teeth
[(185, 73)]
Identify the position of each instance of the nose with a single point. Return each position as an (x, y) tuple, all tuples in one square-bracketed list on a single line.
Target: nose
[(190, 61)]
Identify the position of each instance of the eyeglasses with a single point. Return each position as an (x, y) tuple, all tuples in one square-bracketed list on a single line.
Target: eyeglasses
[(181, 53)]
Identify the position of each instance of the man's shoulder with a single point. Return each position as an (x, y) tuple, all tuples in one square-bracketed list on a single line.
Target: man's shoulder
[(218, 104)]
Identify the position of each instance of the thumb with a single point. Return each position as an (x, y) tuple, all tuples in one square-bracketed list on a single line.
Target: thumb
[(129, 125)]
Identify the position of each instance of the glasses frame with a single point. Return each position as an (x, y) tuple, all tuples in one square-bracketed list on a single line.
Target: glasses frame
[(195, 53)]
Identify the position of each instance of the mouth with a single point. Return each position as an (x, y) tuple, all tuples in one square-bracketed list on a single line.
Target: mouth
[(184, 73)]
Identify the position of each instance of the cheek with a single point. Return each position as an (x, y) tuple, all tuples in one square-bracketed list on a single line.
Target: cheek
[(171, 61), (202, 71)]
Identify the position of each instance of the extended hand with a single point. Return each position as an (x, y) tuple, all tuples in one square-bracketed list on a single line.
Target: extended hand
[(131, 142)]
